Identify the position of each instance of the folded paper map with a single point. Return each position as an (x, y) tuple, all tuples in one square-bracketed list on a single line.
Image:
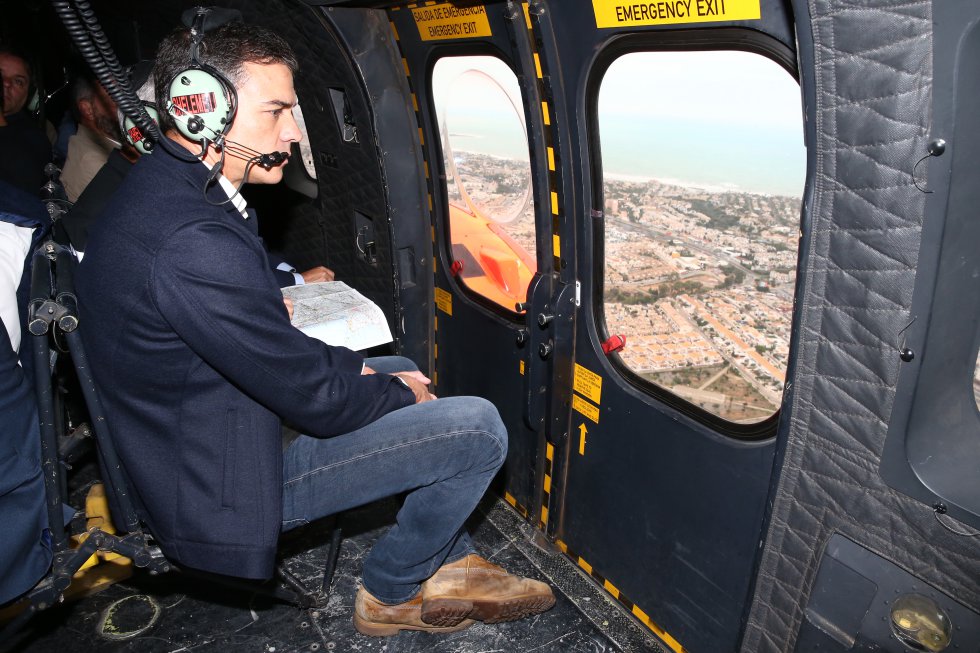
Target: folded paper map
[(338, 315)]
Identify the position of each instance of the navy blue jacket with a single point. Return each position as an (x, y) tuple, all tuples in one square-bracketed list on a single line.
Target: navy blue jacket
[(25, 554), (193, 352)]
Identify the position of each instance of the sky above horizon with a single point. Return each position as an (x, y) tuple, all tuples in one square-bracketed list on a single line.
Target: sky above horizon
[(720, 120)]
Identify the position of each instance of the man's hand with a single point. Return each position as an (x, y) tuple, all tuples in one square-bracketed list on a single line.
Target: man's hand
[(422, 393), (319, 273), (289, 306)]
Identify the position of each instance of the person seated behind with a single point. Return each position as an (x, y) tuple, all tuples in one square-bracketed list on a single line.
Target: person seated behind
[(26, 551), (199, 365), (82, 216), (97, 136), (24, 149)]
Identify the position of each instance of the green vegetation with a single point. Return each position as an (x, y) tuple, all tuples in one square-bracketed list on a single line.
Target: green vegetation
[(718, 217), (614, 294), (733, 276)]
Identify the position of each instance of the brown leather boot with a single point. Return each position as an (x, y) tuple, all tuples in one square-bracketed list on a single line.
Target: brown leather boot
[(472, 588), (372, 617)]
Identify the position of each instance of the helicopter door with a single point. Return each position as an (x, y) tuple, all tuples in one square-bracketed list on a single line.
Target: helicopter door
[(681, 125), (480, 123)]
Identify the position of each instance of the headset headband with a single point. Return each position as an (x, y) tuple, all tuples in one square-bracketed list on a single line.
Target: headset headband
[(197, 33), (201, 101)]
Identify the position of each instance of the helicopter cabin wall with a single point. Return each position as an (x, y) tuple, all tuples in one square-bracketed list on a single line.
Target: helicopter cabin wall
[(842, 543)]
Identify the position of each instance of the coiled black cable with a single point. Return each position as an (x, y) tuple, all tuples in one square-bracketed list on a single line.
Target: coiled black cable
[(88, 36), (83, 27)]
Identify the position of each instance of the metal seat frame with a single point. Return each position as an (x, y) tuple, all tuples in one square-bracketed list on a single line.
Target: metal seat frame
[(53, 313)]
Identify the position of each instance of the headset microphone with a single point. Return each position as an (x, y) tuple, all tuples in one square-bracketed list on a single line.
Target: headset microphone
[(272, 159)]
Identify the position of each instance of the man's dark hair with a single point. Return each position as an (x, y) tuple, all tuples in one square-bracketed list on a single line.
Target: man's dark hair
[(82, 88), (226, 49)]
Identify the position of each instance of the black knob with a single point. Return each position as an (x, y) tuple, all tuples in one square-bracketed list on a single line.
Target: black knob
[(522, 307), (544, 349), (545, 318), (906, 354)]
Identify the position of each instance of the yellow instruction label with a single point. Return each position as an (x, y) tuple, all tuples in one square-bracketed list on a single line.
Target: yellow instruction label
[(588, 383), (444, 21), (444, 301), (629, 13), (522, 368), (584, 407)]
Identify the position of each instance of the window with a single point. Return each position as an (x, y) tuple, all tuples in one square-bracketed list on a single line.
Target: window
[(488, 176), (976, 383), (703, 174), (305, 149)]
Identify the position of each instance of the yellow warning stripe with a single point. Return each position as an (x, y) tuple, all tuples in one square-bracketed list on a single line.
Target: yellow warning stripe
[(615, 592), (428, 177)]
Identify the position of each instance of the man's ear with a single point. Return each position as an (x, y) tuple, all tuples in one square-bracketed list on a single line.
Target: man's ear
[(86, 110)]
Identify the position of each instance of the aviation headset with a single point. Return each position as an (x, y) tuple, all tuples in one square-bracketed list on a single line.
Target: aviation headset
[(201, 101), (135, 136)]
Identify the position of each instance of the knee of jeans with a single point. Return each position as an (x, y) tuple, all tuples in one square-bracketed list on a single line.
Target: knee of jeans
[(488, 420)]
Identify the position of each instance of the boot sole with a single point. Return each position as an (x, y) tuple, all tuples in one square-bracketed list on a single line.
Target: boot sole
[(374, 629), (450, 611)]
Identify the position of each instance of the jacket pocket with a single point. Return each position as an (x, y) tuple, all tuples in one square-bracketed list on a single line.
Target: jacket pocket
[(229, 466)]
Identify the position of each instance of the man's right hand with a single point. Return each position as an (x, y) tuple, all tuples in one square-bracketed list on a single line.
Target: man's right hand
[(422, 393)]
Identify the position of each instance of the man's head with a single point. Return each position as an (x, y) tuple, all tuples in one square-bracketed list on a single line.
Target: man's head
[(260, 66), (16, 82), (94, 108)]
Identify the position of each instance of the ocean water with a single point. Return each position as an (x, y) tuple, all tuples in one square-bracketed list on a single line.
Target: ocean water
[(713, 156)]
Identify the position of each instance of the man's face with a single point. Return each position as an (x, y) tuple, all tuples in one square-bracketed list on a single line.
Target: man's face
[(100, 112), (264, 121), (16, 81)]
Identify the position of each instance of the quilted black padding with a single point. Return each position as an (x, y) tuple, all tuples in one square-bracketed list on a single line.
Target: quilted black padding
[(873, 70), (322, 232)]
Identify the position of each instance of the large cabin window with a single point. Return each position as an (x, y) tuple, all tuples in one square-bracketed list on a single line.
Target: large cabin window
[(487, 176), (703, 173)]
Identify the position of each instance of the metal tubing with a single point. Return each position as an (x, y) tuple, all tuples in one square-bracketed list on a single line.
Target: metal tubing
[(103, 437), (40, 279)]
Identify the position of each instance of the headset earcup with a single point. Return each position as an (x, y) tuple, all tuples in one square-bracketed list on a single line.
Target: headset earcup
[(135, 136), (201, 104)]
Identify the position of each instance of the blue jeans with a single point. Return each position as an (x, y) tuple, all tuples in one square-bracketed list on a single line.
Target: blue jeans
[(444, 453)]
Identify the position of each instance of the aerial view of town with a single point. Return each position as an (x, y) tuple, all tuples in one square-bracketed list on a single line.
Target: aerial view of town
[(699, 281), (701, 284)]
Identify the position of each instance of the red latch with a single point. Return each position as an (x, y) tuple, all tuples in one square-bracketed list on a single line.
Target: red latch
[(456, 268), (615, 343)]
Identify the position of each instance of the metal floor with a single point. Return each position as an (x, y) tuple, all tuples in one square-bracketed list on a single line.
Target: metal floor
[(173, 613)]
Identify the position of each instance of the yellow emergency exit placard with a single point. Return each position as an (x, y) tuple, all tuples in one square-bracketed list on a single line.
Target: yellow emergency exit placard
[(444, 21), (631, 13), (444, 301), (588, 383), (584, 407)]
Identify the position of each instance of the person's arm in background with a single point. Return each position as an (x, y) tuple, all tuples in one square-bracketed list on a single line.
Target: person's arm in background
[(286, 275), (15, 243)]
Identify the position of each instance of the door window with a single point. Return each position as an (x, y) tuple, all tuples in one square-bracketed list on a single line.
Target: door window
[(487, 176), (703, 173)]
